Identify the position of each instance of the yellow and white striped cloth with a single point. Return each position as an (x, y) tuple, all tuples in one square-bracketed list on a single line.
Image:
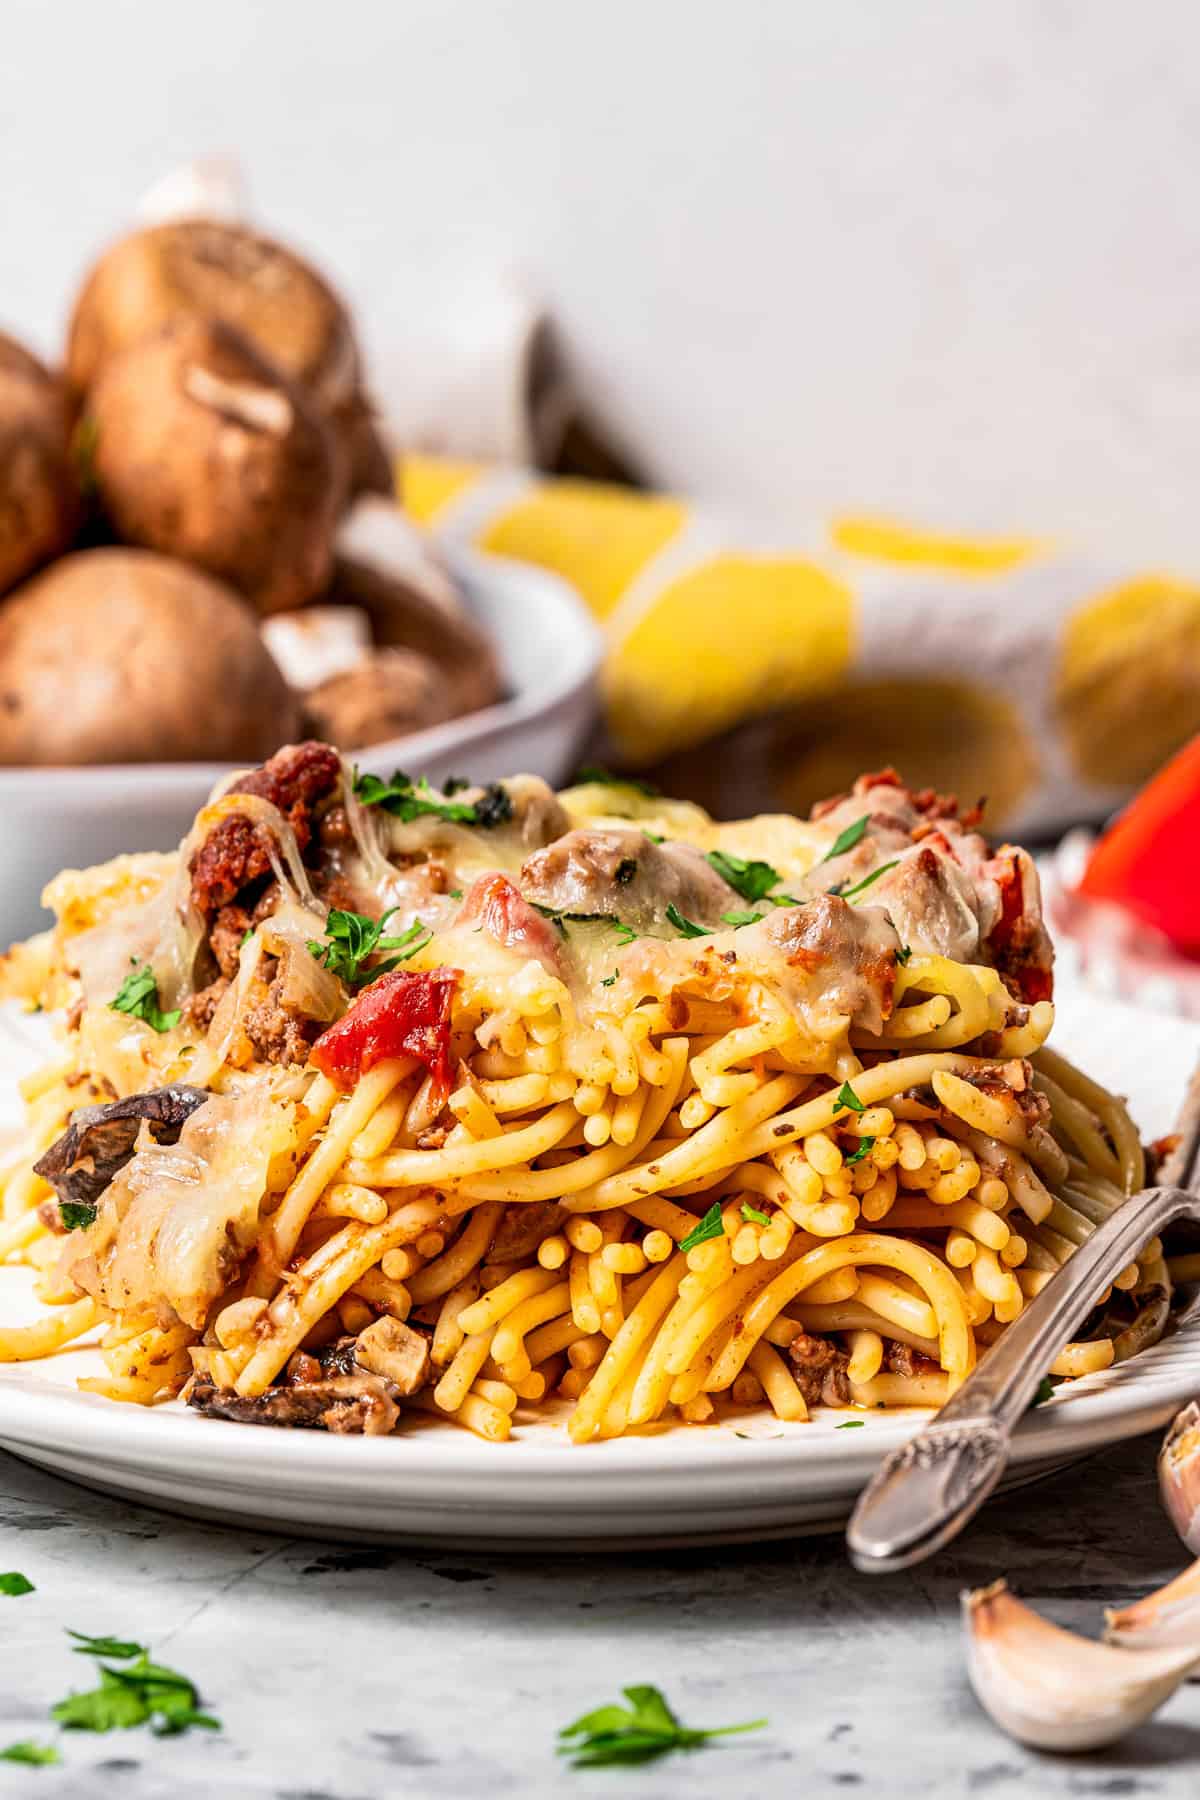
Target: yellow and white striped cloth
[(751, 672)]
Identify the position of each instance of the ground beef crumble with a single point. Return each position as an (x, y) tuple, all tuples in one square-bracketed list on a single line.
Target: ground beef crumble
[(820, 1370), (237, 851)]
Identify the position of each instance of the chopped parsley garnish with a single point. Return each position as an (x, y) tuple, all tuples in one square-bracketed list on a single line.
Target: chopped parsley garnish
[(904, 954), (752, 1215), (846, 840), (850, 1425), (350, 938), (598, 776), (77, 1215), (15, 1584), (625, 933), (848, 893), (36, 1755), (607, 980), (738, 919), (686, 927), (655, 837), (1045, 1391), (407, 800), (847, 1100), (626, 870), (712, 1225), (865, 1147), (246, 936), (752, 880), (144, 1692), (636, 1733), (138, 996), (455, 784)]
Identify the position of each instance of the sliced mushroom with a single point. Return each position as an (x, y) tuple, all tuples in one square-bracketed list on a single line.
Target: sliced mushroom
[(100, 1140), (395, 1351), (341, 1403)]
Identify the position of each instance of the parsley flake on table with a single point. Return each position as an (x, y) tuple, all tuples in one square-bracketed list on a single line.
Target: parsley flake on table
[(752, 1215), (686, 927), (118, 1648), (138, 996), (14, 1584), (846, 840), (846, 1100), (351, 937), (710, 1226), (865, 1147), (636, 1733), (143, 1692), (407, 799), (38, 1756)]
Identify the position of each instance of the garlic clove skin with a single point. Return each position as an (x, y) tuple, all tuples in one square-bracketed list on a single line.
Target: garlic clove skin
[(1166, 1620), (1179, 1475), (1053, 1690)]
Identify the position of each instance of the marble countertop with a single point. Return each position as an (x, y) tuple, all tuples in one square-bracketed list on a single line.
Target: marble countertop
[(358, 1674)]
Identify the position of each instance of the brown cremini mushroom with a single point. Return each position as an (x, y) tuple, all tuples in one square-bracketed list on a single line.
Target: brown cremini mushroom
[(39, 490), (121, 656), (207, 268), (203, 450)]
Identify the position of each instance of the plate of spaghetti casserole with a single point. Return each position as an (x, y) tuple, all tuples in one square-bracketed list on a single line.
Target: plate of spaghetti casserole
[(555, 1166)]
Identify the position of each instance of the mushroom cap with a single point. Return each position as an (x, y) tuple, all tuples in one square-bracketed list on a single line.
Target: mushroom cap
[(39, 490), (386, 695), (205, 450), (122, 656), (209, 268)]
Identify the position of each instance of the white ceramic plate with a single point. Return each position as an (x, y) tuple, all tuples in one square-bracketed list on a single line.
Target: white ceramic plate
[(549, 650), (434, 1483)]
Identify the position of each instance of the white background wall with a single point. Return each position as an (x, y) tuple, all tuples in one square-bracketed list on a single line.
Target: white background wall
[(935, 257)]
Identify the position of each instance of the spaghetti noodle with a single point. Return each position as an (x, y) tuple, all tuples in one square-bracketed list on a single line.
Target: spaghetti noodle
[(378, 1097)]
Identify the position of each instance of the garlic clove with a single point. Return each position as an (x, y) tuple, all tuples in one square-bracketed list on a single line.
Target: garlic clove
[(1053, 1690), (1166, 1620), (1179, 1475)]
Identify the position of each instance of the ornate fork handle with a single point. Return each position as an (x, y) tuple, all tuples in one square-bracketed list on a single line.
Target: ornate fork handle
[(926, 1491)]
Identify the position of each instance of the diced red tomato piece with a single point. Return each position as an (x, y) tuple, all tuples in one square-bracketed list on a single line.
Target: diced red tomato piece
[(1018, 942), (493, 902), (401, 1014), (1148, 860)]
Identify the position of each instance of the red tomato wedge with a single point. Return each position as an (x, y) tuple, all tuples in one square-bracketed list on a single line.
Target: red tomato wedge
[(401, 1014), (502, 910), (1148, 860)]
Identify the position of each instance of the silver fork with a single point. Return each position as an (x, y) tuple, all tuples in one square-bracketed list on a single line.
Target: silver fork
[(925, 1492)]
